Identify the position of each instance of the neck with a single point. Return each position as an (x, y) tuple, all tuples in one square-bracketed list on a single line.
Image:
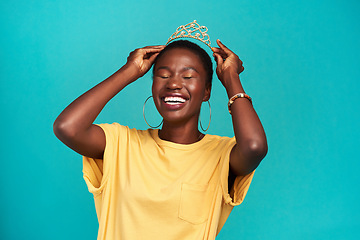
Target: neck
[(179, 133)]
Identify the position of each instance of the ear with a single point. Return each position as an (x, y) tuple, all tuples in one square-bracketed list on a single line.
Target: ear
[(207, 93)]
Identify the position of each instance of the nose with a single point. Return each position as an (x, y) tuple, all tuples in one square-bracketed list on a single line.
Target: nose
[(174, 83)]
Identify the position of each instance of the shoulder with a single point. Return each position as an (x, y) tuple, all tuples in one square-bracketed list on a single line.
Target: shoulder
[(220, 140), (121, 131), (118, 127)]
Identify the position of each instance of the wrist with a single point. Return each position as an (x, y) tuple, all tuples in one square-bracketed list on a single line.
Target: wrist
[(232, 84), (129, 73)]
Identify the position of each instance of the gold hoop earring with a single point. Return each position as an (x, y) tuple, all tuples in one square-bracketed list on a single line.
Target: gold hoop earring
[(209, 118), (145, 117)]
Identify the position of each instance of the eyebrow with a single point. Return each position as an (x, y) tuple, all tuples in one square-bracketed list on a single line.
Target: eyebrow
[(184, 69)]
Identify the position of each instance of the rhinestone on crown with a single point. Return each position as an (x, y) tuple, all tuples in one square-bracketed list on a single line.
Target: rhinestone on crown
[(191, 30)]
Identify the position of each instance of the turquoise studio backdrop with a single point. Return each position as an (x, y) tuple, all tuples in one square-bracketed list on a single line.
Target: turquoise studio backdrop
[(302, 70)]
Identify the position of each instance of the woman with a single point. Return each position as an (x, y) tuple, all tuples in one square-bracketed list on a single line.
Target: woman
[(173, 183)]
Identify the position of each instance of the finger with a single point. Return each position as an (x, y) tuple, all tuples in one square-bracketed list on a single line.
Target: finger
[(218, 59), (152, 50), (152, 57), (215, 49), (147, 53), (144, 52), (156, 46), (218, 50), (223, 47), (222, 53), (224, 56), (148, 50), (150, 54)]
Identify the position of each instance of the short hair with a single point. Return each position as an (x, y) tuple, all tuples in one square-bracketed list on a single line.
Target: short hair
[(201, 53)]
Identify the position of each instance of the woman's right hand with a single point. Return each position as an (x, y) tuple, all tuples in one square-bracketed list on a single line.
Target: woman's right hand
[(141, 59), (74, 126)]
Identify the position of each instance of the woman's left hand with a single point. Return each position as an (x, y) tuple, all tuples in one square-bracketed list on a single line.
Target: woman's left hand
[(227, 62)]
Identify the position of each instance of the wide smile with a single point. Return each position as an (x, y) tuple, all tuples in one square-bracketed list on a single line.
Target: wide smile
[(174, 102)]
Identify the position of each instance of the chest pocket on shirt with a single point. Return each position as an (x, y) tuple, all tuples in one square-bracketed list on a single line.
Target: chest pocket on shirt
[(195, 202)]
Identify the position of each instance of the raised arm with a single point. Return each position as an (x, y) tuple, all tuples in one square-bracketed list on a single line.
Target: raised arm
[(74, 126), (251, 144)]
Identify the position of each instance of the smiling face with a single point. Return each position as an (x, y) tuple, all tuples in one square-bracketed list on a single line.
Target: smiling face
[(179, 85)]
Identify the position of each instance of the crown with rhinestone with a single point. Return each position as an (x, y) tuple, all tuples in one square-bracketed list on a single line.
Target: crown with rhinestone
[(191, 30)]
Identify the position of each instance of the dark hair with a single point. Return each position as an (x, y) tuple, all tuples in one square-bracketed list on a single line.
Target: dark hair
[(201, 53)]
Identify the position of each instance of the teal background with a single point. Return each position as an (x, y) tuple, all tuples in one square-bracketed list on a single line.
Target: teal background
[(302, 70)]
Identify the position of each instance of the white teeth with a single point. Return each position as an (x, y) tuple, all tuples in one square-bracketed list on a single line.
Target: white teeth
[(174, 100), (172, 103)]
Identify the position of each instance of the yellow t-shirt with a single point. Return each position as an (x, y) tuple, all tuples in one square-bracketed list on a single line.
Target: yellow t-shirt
[(148, 188)]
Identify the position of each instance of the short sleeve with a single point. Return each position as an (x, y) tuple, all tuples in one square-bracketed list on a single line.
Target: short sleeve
[(234, 196), (96, 171)]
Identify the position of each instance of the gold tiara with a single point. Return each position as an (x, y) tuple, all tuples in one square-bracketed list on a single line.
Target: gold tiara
[(191, 30)]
